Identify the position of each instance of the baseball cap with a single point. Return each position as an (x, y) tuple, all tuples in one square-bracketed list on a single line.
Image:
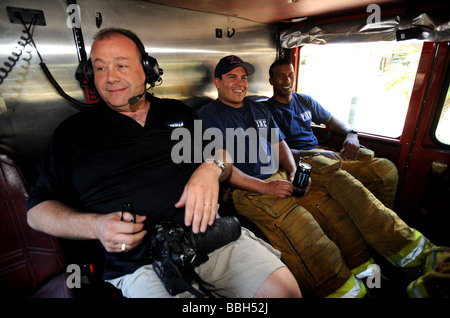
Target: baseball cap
[(230, 62)]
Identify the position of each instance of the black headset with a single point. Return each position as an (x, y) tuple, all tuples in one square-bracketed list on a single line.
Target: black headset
[(151, 68)]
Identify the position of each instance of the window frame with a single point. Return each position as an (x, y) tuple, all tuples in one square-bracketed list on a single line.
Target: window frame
[(439, 108)]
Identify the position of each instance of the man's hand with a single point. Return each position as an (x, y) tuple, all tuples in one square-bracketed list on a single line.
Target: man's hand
[(308, 186), (120, 236), (350, 148), (279, 188), (200, 197), (57, 219)]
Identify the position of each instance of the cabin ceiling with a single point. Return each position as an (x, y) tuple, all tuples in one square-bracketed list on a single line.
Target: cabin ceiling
[(274, 11)]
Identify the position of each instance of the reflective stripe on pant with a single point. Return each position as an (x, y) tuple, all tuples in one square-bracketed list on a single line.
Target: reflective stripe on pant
[(417, 289), (411, 255), (353, 288)]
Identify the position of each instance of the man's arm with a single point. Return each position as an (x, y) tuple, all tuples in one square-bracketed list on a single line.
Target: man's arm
[(58, 219), (279, 188), (350, 146), (286, 159)]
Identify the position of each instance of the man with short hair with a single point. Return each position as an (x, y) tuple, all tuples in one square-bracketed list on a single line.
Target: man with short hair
[(294, 113)]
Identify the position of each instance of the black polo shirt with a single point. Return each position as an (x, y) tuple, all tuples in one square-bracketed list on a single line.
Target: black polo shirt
[(99, 159)]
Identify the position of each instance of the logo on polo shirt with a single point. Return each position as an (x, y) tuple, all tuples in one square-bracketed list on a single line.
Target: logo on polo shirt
[(177, 124)]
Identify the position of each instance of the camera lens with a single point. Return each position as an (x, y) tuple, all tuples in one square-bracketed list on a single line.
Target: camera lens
[(223, 231)]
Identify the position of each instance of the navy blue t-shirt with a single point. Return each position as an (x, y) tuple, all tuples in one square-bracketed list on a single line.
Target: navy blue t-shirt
[(294, 119), (247, 134)]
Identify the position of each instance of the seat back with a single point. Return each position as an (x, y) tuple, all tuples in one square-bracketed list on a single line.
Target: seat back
[(28, 259)]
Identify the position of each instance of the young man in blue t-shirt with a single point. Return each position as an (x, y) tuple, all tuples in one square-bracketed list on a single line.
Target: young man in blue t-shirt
[(294, 113)]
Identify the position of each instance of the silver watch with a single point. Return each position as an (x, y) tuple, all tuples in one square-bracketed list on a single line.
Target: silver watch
[(218, 162)]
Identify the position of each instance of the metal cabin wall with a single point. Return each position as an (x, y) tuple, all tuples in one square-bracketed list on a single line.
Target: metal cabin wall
[(183, 41)]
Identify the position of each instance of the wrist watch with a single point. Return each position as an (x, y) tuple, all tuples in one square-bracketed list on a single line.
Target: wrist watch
[(351, 131), (218, 162)]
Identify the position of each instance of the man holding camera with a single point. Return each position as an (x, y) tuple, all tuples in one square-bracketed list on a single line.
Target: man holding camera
[(120, 151)]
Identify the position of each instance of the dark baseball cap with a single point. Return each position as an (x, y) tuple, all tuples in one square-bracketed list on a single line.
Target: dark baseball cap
[(230, 62)]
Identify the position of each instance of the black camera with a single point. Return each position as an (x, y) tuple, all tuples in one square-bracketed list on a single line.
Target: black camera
[(175, 251)]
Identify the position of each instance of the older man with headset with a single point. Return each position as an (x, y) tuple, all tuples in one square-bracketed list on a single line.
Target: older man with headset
[(120, 151)]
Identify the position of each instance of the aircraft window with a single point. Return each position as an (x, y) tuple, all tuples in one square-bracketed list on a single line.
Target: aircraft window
[(367, 85), (442, 129)]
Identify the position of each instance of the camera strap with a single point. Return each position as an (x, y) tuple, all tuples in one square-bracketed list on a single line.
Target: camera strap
[(176, 279), (201, 283)]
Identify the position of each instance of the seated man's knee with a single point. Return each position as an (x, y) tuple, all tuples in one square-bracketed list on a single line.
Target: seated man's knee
[(280, 284)]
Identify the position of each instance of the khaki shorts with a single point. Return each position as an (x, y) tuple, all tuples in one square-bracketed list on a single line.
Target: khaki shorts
[(236, 270)]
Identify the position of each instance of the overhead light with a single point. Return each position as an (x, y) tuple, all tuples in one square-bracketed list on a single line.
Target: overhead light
[(294, 20)]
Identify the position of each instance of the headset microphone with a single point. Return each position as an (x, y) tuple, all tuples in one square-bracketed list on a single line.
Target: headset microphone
[(133, 100)]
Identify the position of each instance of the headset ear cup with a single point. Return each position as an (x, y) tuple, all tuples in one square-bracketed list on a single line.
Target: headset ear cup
[(89, 73), (85, 74), (151, 68)]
